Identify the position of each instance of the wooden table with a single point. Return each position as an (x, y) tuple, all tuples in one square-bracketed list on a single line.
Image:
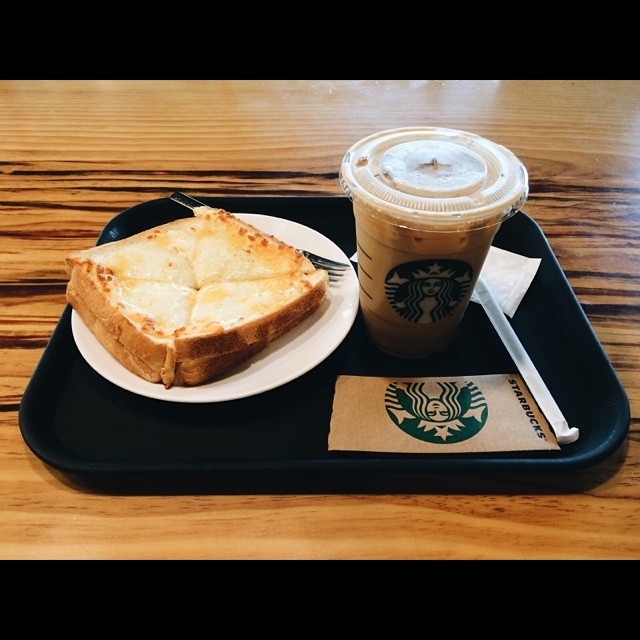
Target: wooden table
[(75, 153)]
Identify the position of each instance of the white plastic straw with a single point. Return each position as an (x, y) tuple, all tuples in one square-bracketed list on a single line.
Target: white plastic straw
[(528, 371)]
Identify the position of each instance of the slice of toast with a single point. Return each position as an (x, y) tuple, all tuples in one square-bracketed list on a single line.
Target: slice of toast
[(184, 302)]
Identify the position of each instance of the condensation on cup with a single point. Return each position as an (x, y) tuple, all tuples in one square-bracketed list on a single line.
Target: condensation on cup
[(427, 203)]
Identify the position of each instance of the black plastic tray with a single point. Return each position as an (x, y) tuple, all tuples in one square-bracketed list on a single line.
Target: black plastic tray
[(107, 438)]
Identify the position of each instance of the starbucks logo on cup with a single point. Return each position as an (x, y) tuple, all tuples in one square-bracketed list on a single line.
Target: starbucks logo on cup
[(442, 414), (427, 290)]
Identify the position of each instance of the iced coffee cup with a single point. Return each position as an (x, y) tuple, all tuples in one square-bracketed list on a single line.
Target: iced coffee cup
[(427, 204)]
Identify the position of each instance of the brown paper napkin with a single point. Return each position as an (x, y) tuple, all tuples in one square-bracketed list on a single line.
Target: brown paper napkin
[(469, 414)]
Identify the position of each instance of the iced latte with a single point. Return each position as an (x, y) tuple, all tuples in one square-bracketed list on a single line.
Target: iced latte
[(427, 204)]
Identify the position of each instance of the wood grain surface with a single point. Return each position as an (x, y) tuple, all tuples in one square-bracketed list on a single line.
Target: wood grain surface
[(75, 153)]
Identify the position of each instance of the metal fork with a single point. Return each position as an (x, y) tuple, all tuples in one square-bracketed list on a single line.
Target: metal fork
[(335, 269)]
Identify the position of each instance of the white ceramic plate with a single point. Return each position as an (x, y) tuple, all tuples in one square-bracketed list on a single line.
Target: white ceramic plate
[(289, 357)]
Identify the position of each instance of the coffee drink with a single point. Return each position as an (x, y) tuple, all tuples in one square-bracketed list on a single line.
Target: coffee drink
[(427, 204)]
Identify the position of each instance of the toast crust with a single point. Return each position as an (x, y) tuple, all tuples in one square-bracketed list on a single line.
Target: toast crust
[(195, 372)]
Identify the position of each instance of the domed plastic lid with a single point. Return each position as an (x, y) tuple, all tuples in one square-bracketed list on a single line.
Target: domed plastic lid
[(435, 175)]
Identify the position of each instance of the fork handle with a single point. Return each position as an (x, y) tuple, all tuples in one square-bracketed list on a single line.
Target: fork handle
[(186, 201)]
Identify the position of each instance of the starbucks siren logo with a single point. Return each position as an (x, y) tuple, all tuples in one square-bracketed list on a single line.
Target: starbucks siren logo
[(449, 415), (427, 290)]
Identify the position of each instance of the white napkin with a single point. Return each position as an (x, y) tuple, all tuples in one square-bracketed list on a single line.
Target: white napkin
[(509, 276)]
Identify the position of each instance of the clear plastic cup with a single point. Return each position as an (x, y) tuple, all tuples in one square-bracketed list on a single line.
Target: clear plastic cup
[(427, 203)]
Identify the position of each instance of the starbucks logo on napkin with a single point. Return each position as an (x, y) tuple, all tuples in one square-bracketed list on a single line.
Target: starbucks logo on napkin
[(427, 290), (440, 413)]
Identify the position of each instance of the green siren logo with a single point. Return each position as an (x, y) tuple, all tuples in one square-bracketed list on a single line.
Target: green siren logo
[(427, 290), (449, 415)]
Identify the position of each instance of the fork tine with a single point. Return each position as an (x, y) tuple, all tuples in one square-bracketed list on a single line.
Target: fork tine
[(334, 276), (336, 273), (325, 263)]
